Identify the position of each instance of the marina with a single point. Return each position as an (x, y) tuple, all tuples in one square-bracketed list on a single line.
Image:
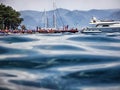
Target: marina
[(99, 26)]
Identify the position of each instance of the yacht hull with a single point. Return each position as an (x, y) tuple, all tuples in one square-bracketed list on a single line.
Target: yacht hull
[(107, 29)]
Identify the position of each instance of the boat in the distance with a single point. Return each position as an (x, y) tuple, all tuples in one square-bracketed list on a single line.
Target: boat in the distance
[(54, 28), (109, 26), (89, 30)]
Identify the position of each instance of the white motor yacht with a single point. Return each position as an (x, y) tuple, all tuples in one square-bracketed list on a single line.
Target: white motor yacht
[(103, 26)]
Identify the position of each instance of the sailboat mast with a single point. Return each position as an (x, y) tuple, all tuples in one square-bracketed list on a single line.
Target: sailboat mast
[(54, 16), (45, 20)]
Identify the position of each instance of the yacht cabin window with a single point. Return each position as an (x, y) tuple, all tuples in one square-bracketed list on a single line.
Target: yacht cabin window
[(105, 25)]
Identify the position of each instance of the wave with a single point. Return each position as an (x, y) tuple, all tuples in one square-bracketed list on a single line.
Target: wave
[(59, 62)]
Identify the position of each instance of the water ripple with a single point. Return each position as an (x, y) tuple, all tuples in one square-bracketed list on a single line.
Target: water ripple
[(60, 62)]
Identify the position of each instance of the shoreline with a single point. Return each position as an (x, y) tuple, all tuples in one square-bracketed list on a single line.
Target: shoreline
[(7, 32)]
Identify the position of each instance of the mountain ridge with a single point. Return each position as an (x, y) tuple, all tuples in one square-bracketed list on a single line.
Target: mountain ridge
[(73, 18)]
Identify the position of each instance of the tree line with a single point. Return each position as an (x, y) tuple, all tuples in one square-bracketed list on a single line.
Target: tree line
[(9, 18)]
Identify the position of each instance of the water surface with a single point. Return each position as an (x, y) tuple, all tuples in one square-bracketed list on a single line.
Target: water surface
[(60, 62)]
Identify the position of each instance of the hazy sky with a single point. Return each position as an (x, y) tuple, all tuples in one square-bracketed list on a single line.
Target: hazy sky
[(40, 5)]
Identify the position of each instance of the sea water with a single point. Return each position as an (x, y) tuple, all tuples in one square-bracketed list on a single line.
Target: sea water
[(60, 61)]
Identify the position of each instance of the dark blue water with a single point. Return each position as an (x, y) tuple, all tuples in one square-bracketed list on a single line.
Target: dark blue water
[(60, 62)]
